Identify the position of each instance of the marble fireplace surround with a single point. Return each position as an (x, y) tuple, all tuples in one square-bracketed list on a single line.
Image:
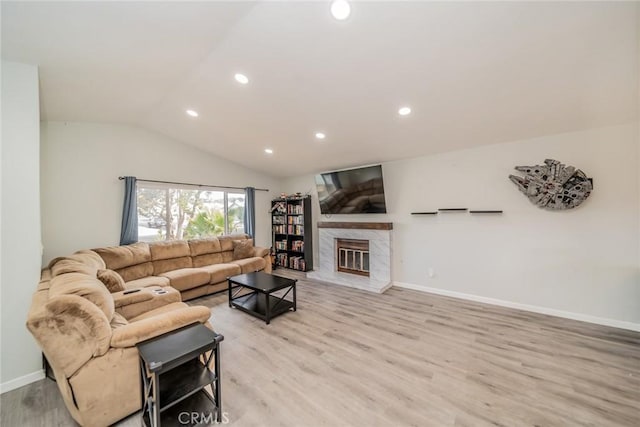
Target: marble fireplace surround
[(379, 236)]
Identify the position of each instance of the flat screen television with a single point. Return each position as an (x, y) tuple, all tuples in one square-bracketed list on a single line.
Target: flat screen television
[(352, 191)]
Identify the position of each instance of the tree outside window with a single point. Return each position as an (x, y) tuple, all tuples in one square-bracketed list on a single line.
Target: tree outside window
[(166, 213)]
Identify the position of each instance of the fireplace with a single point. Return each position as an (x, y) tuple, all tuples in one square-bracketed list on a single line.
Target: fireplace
[(352, 256)]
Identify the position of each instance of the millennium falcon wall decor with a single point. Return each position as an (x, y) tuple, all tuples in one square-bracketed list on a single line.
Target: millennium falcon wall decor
[(553, 185)]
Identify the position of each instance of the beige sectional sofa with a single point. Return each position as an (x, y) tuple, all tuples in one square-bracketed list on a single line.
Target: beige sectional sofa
[(89, 334), (194, 267)]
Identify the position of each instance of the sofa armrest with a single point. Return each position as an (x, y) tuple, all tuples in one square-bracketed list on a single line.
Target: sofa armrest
[(151, 327), (70, 330), (260, 251), (120, 299), (264, 253)]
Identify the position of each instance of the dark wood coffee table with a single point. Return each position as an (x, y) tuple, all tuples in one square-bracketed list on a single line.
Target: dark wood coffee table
[(260, 302)]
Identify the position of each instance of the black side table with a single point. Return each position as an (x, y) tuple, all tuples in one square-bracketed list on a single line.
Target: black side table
[(175, 371)]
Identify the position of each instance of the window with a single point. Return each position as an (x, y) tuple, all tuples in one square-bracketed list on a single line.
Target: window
[(167, 213)]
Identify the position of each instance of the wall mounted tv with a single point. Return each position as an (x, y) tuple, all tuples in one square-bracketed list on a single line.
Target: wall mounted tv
[(352, 191)]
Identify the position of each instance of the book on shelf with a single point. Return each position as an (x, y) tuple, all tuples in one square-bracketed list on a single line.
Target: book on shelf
[(279, 229), (278, 219), (297, 230), (295, 209), (299, 219), (281, 245), (297, 245), (297, 263), (281, 260)]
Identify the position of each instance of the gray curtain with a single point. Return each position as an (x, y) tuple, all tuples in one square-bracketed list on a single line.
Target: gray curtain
[(250, 211), (129, 231)]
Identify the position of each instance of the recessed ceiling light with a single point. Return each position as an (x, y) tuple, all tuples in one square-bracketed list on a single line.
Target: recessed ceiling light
[(340, 9), (192, 113), (241, 78), (320, 135), (268, 150), (404, 111)]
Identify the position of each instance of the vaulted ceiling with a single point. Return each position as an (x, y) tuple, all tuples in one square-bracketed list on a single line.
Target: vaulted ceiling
[(473, 73)]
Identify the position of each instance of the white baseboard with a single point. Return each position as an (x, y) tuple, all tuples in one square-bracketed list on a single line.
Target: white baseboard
[(21, 381), (526, 307)]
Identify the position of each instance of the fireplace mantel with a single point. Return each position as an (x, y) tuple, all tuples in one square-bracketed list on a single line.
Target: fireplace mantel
[(357, 225)]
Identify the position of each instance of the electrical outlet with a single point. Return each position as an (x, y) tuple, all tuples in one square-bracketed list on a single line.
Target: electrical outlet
[(431, 272)]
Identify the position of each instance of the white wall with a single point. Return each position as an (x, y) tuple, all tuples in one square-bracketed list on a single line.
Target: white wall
[(20, 249), (581, 263), (638, 118), (82, 196)]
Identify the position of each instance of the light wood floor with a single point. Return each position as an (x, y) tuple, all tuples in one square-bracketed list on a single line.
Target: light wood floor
[(405, 358)]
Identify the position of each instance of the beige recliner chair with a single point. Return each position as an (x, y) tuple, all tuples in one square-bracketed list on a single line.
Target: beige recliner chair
[(90, 346)]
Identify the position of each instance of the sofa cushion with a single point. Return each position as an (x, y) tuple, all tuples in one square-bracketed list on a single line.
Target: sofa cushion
[(160, 310), (53, 261), (85, 286), (117, 257), (242, 249), (164, 265), (169, 249), (249, 265), (146, 282), (226, 243), (43, 285), (134, 272), (89, 257), (112, 280), (69, 265), (187, 278), (220, 272), (207, 259), (204, 246), (227, 256)]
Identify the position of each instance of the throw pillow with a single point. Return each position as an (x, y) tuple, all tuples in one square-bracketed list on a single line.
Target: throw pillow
[(112, 280), (242, 249)]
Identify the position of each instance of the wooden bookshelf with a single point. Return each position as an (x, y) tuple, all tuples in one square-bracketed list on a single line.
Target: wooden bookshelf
[(292, 233)]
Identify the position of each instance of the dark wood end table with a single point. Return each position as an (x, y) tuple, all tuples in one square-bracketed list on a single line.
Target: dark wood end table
[(175, 370), (260, 302)]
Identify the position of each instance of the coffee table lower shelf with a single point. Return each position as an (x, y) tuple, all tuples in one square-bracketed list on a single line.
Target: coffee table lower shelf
[(255, 304)]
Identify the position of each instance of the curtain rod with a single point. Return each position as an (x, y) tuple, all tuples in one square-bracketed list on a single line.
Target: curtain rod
[(194, 185)]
